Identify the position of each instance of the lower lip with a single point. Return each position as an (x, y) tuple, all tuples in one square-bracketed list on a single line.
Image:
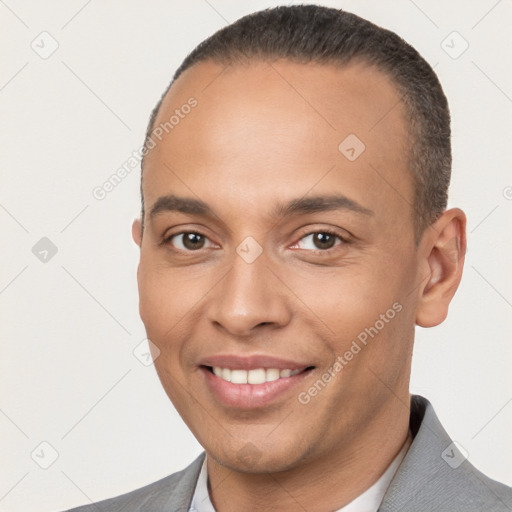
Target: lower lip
[(250, 396)]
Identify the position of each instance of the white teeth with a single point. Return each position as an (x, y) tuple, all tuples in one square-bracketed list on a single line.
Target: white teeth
[(238, 376), (256, 376), (272, 374)]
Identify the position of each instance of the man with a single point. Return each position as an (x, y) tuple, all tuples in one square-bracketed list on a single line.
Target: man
[(293, 232)]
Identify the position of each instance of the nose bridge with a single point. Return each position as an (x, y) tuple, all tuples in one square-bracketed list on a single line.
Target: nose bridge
[(248, 297)]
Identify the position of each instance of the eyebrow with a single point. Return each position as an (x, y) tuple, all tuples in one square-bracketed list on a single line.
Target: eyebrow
[(319, 203), (172, 203), (303, 205)]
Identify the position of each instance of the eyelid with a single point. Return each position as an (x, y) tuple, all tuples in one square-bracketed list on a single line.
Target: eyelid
[(167, 238), (185, 227), (330, 231), (344, 239)]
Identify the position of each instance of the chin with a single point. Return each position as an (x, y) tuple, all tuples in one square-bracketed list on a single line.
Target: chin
[(264, 465), (248, 458)]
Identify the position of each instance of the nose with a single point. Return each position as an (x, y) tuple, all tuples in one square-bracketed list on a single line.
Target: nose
[(249, 298)]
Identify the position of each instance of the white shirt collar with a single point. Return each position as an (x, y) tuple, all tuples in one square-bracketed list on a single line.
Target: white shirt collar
[(369, 501)]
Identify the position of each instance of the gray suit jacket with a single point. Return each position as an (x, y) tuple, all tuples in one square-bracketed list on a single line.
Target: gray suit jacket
[(433, 477)]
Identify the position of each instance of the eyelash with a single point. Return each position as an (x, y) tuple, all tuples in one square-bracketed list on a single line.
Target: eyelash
[(167, 240), (342, 239)]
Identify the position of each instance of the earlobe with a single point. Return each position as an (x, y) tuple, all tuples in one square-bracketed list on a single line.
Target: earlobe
[(444, 248), (137, 231)]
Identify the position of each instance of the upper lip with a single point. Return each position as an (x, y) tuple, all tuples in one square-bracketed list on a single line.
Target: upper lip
[(236, 362)]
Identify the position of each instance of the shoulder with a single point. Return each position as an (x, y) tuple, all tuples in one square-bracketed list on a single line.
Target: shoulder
[(436, 475), (173, 492)]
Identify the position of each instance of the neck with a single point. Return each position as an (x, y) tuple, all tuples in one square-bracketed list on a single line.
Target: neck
[(326, 483)]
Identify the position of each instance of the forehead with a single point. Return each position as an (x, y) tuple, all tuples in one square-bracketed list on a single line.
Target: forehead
[(272, 128)]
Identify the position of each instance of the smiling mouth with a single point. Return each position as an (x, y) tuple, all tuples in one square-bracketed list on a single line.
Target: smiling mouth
[(254, 376)]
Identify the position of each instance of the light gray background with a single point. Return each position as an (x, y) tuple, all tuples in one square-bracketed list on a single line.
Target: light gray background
[(69, 325)]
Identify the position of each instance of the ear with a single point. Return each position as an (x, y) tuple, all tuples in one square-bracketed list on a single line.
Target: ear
[(137, 231), (442, 248)]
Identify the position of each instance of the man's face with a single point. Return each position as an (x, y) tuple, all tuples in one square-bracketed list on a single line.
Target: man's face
[(303, 254)]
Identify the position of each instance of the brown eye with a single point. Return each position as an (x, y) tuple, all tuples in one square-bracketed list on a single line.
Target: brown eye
[(189, 241), (193, 241), (324, 240), (320, 240)]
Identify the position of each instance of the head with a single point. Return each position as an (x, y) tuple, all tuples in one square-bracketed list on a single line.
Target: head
[(294, 218)]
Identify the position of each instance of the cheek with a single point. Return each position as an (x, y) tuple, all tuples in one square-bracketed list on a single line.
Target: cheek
[(170, 307), (163, 298), (154, 302), (161, 308), (363, 312), (347, 300), (374, 333)]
